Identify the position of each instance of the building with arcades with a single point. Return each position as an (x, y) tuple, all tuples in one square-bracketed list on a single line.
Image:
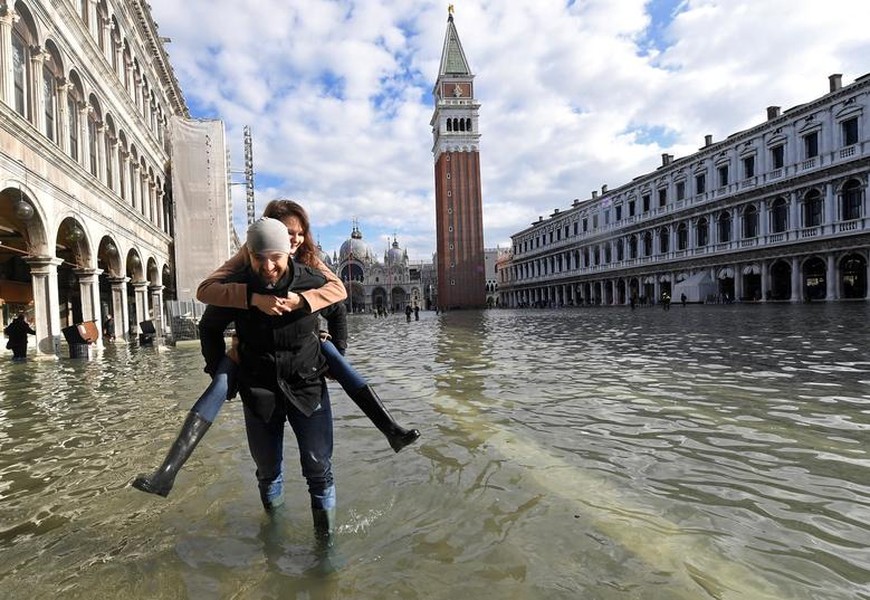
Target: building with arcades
[(777, 212), (86, 228)]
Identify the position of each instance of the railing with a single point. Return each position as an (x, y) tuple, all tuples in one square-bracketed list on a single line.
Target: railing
[(776, 237), (809, 232), (809, 163), (747, 183), (775, 174), (847, 152), (748, 243), (850, 225)]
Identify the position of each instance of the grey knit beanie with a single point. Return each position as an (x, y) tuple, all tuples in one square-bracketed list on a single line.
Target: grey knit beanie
[(268, 235)]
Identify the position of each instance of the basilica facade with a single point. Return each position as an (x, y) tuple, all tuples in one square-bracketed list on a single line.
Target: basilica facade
[(777, 212), (381, 284)]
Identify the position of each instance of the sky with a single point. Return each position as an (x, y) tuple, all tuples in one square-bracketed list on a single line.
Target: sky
[(574, 95)]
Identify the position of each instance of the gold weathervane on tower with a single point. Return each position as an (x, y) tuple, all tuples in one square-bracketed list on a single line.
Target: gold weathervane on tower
[(450, 8)]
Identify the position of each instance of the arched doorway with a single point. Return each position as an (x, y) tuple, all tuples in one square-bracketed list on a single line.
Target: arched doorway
[(780, 281), (853, 276), (751, 282), (726, 283), (815, 279), (73, 248)]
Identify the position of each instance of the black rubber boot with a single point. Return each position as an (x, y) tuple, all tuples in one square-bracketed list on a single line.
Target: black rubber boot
[(160, 481), (328, 559), (371, 405)]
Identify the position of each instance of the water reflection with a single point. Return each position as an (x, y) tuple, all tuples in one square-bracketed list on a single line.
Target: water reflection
[(702, 452)]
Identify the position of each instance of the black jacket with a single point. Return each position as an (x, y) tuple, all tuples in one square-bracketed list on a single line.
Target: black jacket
[(278, 353)]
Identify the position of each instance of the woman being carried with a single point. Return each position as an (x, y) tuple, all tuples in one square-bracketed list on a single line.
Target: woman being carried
[(219, 290)]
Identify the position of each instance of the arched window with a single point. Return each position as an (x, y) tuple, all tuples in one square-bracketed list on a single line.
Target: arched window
[(664, 240), (812, 209), (22, 41), (750, 222), (74, 103), (724, 230), (449, 124), (682, 236), (607, 254), (703, 232), (102, 25), (647, 244), (632, 247), (779, 215), (620, 252), (51, 74), (467, 124), (851, 200)]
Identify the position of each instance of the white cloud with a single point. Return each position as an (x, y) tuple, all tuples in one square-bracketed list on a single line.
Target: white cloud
[(338, 94)]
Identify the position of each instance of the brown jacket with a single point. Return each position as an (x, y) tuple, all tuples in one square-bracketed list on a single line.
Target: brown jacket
[(213, 289)]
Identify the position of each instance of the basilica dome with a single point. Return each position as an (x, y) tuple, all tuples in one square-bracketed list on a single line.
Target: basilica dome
[(395, 255), (355, 248)]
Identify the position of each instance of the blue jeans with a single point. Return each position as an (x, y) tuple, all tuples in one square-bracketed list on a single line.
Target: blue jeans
[(212, 400), (313, 437)]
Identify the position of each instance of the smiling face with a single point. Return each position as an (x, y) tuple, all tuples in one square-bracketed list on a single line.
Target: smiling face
[(296, 232), (269, 266)]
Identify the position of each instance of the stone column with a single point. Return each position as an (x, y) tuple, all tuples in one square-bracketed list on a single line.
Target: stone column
[(124, 175), (100, 153), (46, 304), (796, 291), (119, 306), (84, 137), (135, 186), (738, 282), (161, 221), (158, 317), (116, 167), (63, 115), (830, 208), (89, 287), (140, 297), (765, 280), (763, 220), (794, 222), (8, 18), (37, 61), (657, 289), (831, 278)]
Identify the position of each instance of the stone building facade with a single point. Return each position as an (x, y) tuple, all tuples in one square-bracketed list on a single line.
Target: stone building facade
[(777, 212), (86, 93)]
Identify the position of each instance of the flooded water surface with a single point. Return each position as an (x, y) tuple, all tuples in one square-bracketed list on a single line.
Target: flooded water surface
[(705, 452)]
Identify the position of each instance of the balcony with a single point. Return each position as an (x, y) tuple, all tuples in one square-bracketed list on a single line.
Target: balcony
[(809, 232), (847, 152), (775, 174), (808, 164)]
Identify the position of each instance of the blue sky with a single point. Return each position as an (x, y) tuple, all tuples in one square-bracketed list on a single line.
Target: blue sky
[(573, 95)]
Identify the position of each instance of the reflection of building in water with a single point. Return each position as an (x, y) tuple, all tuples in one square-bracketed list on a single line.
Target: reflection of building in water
[(775, 212), (389, 285), (86, 211)]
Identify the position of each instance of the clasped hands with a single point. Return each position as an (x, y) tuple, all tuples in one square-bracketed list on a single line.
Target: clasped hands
[(275, 305)]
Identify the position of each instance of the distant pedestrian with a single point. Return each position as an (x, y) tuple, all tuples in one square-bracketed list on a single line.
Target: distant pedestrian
[(17, 332), (408, 311), (416, 313), (109, 328), (683, 299)]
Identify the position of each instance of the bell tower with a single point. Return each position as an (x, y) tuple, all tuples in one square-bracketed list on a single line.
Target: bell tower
[(458, 200)]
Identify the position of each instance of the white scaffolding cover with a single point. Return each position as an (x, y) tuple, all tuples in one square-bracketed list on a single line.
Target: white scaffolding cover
[(203, 210)]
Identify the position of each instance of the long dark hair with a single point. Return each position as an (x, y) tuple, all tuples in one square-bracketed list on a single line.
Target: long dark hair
[(281, 208)]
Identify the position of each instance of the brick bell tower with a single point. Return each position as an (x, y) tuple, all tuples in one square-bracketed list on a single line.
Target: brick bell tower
[(458, 199)]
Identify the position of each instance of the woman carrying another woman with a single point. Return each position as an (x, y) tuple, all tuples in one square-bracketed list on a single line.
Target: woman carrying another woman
[(219, 290)]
